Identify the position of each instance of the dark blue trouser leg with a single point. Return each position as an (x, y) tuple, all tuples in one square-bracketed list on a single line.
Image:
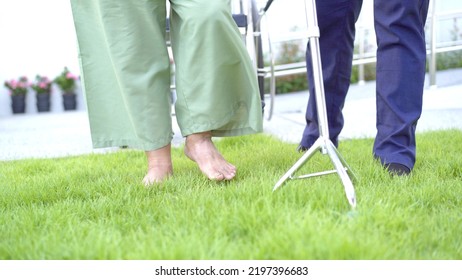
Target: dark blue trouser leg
[(401, 58), (336, 20)]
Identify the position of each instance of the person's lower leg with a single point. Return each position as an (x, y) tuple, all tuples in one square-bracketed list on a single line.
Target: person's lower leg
[(159, 165)]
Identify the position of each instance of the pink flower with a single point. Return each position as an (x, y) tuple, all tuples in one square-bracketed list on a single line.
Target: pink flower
[(17, 87), (71, 76)]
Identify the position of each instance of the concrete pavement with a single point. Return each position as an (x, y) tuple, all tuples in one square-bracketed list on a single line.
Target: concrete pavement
[(442, 109)]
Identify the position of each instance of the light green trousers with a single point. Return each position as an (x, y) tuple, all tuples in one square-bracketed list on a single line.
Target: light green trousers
[(125, 71)]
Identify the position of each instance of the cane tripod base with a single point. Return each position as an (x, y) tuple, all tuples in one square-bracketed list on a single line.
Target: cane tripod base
[(326, 147)]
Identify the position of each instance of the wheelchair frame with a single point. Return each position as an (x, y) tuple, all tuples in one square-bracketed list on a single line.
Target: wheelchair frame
[(248, 16)]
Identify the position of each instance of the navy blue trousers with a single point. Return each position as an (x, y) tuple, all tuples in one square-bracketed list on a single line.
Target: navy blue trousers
[(401, 58)]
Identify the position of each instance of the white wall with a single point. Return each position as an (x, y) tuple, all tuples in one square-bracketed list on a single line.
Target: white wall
[(37, 37)]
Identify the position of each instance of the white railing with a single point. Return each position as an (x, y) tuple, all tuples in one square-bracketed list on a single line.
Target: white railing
[(443, 47), (363, 56)]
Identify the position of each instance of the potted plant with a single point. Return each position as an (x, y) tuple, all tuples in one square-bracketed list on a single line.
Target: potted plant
[(42, 88), (67, 83), (18, 91)]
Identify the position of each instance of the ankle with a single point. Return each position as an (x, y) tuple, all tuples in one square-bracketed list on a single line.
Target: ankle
[(206, 135), (159, 157)]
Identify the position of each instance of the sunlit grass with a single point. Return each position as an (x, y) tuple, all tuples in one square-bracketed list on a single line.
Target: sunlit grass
[(95, 207)]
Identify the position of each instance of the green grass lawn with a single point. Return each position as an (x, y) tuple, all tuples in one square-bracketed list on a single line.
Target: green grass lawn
[(95, 207)]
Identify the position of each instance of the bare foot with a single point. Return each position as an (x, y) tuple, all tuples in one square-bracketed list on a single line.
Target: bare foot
[(200, 149), (159, 165)]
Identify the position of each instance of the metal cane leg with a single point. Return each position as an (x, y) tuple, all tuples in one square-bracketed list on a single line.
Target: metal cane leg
[(315, 147), (342, 173), (344, 163), (323, 143)]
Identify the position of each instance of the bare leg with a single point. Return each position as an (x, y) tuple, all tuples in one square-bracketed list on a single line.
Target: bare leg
[(159, 165), (200, 149)]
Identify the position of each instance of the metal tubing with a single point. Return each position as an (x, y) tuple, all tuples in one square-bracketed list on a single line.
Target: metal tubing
[(316, 146), (432, 68), (342, 173)]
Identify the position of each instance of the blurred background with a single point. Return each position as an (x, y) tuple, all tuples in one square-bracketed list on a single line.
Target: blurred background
[(37, 37)]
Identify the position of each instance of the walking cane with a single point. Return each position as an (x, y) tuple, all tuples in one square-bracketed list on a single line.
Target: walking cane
[(323, 143)]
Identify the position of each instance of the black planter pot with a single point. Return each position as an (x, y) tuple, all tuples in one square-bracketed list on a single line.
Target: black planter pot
[(43, 102), (69, 102), (18, 104)]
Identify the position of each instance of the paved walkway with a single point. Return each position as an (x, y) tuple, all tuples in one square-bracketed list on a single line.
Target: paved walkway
[(49, 135), (442, 109)]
